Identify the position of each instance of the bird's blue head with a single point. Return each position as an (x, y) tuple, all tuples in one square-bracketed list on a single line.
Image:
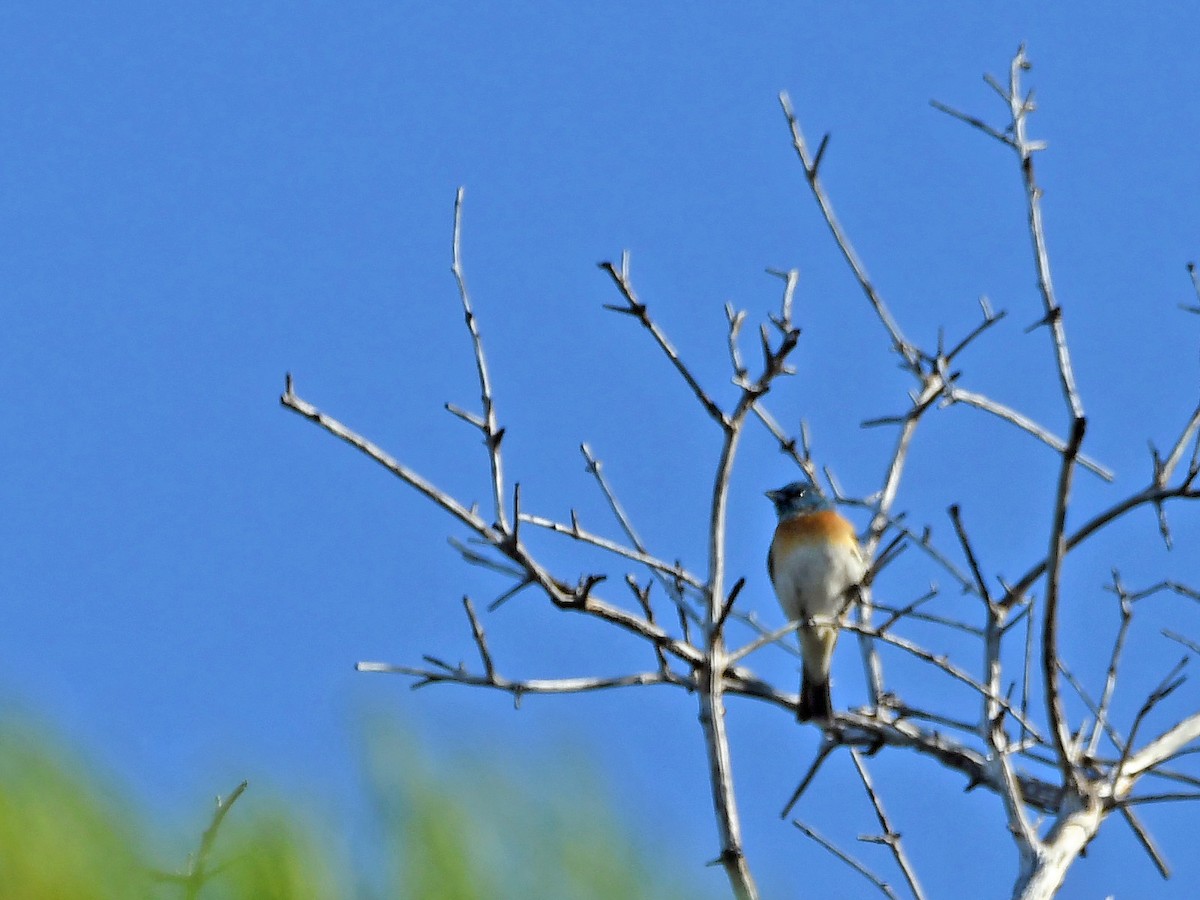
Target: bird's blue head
[(797, 499)]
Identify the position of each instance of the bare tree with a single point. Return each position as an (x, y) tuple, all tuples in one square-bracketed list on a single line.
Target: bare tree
[(1058, 780)]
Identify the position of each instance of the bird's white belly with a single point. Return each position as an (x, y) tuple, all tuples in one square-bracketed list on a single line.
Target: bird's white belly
[(812, 580)]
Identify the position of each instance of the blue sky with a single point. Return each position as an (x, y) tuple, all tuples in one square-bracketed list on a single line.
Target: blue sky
[(198, 198)]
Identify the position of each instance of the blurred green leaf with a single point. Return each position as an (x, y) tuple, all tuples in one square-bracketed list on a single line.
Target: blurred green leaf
[(457, 829)]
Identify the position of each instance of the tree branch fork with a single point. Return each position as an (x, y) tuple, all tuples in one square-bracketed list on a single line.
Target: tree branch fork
[(1055, 769)]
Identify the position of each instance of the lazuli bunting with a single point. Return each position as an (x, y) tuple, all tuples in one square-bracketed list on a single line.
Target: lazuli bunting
[(814, 563)]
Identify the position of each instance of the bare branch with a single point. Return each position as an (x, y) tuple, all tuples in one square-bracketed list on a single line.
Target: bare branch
[(848, 860), (800, 455), (1015, 136), (1101, 722), (989, 319), (1174, 587), (791, 278), (896, 614), (1167, 468), (972, 561), (811, 165), (974, 123), (468, 517), (658, 566), (1020, 108), (889, 837), (460, 675), (942, 662), (879, 522), (493, 434), (637, 309), (525, 582), (826, 748), (1054, 708), (1146, 841), (993, 635), (1013, 793), (727, 606), (677, 574), (956, 394), (712, 681), (770, 637), (1151, 494), (643, 597), (1180, 639), (712, 678), (1114, 660), (1170, 775), (489, 667), (1133, 764), (911, 712), (1161, 798), (476, 558), (924, 542)]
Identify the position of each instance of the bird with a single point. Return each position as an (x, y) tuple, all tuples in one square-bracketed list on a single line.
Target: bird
[(814, 563)]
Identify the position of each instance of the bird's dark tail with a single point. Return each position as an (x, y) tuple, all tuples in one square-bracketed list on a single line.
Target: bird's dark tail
[(815, 701)]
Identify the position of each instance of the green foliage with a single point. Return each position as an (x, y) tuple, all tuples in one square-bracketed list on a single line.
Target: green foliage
[(62, 834), (266, 855), (471, 833), (457, 832)]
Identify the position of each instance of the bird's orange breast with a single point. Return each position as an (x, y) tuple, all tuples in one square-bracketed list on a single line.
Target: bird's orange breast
[(827, 527), (813, 559)]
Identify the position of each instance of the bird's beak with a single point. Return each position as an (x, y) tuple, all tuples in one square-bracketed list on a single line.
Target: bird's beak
[(773, 496)]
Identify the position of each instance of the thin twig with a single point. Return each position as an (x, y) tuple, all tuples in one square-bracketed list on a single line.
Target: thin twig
[(468, 517), (989, 319), (896, 614), (1101, 723), (595, 468), (1181, 640), (1147, 842), (770, 637), (1015, 136), (974, 122), (955, 394), (972, 560), (890, 836), (811, 167), (1130, 764), (493, 434), (849, 860), (799, 453), (634, 307), (485, 655), (827, 747), (1114, 660), (444, 674), (924, 542), (672, 571), (942, 662), (643, 598)]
